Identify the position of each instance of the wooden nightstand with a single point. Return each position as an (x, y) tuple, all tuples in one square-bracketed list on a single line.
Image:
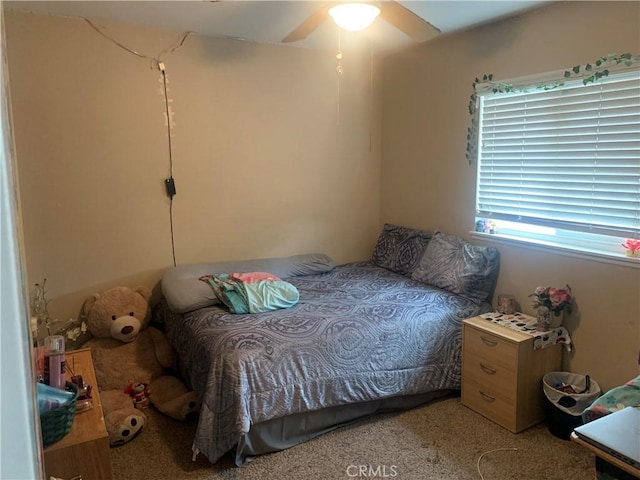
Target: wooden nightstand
[(502, 373), (84, 451)]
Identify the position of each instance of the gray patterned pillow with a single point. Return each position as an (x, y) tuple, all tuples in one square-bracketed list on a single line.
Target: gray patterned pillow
[(399, 249), (453, 264)]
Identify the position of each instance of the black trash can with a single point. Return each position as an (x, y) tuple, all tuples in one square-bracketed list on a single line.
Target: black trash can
[(567, 396)]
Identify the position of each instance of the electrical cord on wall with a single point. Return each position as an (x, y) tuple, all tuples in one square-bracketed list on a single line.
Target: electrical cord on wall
[(171, 189), (157, 59), (157, 62)]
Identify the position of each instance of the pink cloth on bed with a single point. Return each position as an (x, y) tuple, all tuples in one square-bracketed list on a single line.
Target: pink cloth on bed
[(251, 277)]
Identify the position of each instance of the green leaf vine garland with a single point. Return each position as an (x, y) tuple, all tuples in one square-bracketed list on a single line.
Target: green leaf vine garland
[(589, 73)]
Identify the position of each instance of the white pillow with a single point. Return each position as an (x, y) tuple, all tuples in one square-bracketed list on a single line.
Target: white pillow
[(184, 291)]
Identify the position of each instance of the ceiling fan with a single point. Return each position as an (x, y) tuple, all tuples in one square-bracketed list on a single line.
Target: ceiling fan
[(415, 27)]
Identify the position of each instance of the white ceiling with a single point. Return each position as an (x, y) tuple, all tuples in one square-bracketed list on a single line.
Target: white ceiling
[(270, 21)]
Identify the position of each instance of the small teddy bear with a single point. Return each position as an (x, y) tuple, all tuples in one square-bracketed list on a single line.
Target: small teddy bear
[(126, 352)]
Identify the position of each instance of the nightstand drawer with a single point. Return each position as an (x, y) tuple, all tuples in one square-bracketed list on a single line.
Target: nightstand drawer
[(491, 348), (484, 372), (489, 403)]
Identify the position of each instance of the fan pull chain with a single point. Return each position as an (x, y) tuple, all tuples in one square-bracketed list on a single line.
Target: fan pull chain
[(339, 69), (339, 72), (371, 98)]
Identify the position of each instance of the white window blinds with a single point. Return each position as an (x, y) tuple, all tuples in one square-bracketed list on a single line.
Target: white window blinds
[(566, 158)]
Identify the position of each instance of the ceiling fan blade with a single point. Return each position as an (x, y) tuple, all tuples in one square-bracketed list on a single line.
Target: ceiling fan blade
[(416, 28), (308, 26)]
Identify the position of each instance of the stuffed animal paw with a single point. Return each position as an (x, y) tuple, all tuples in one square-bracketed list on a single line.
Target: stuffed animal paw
[(123, 421), (170, 396)]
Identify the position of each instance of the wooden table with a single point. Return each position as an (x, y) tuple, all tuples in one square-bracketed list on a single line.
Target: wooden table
[(616, 462), (84, 451)]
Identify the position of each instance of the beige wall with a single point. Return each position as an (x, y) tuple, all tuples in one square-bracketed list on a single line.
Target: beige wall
[(426, 181), (263, 168)]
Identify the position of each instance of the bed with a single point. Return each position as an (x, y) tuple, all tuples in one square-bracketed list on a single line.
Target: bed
[(364, 337)]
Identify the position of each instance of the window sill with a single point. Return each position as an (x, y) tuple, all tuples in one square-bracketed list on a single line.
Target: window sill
[(592, 255)]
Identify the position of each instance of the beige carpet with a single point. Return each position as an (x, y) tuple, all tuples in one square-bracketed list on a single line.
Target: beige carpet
[(442, 440)]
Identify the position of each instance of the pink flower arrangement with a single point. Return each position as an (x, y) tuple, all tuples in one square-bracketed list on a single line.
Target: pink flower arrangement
[(632, 246), (557, 300)]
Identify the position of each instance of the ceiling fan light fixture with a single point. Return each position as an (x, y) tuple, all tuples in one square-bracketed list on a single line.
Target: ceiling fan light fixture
[(354, 16)]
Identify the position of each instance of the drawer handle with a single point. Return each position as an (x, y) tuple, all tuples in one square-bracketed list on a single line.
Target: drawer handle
[(488, 341), (489, 370), (486, 396)]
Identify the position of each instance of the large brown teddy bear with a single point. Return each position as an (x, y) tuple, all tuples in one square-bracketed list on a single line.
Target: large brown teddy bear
[(127, 352)]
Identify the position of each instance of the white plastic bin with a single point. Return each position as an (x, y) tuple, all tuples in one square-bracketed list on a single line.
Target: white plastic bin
[(564, 410)]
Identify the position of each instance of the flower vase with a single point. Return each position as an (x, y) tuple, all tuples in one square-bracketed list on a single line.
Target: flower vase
[(556, 320), (547, 320), (543, 319)]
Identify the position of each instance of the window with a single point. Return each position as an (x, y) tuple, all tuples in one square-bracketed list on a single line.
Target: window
[(562, 166)]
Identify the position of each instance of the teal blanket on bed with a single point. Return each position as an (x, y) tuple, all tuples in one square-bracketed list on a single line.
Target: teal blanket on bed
[(618, 398), (253, 292)]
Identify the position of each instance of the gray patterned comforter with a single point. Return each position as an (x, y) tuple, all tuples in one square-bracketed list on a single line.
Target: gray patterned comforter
[(358, 333)]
